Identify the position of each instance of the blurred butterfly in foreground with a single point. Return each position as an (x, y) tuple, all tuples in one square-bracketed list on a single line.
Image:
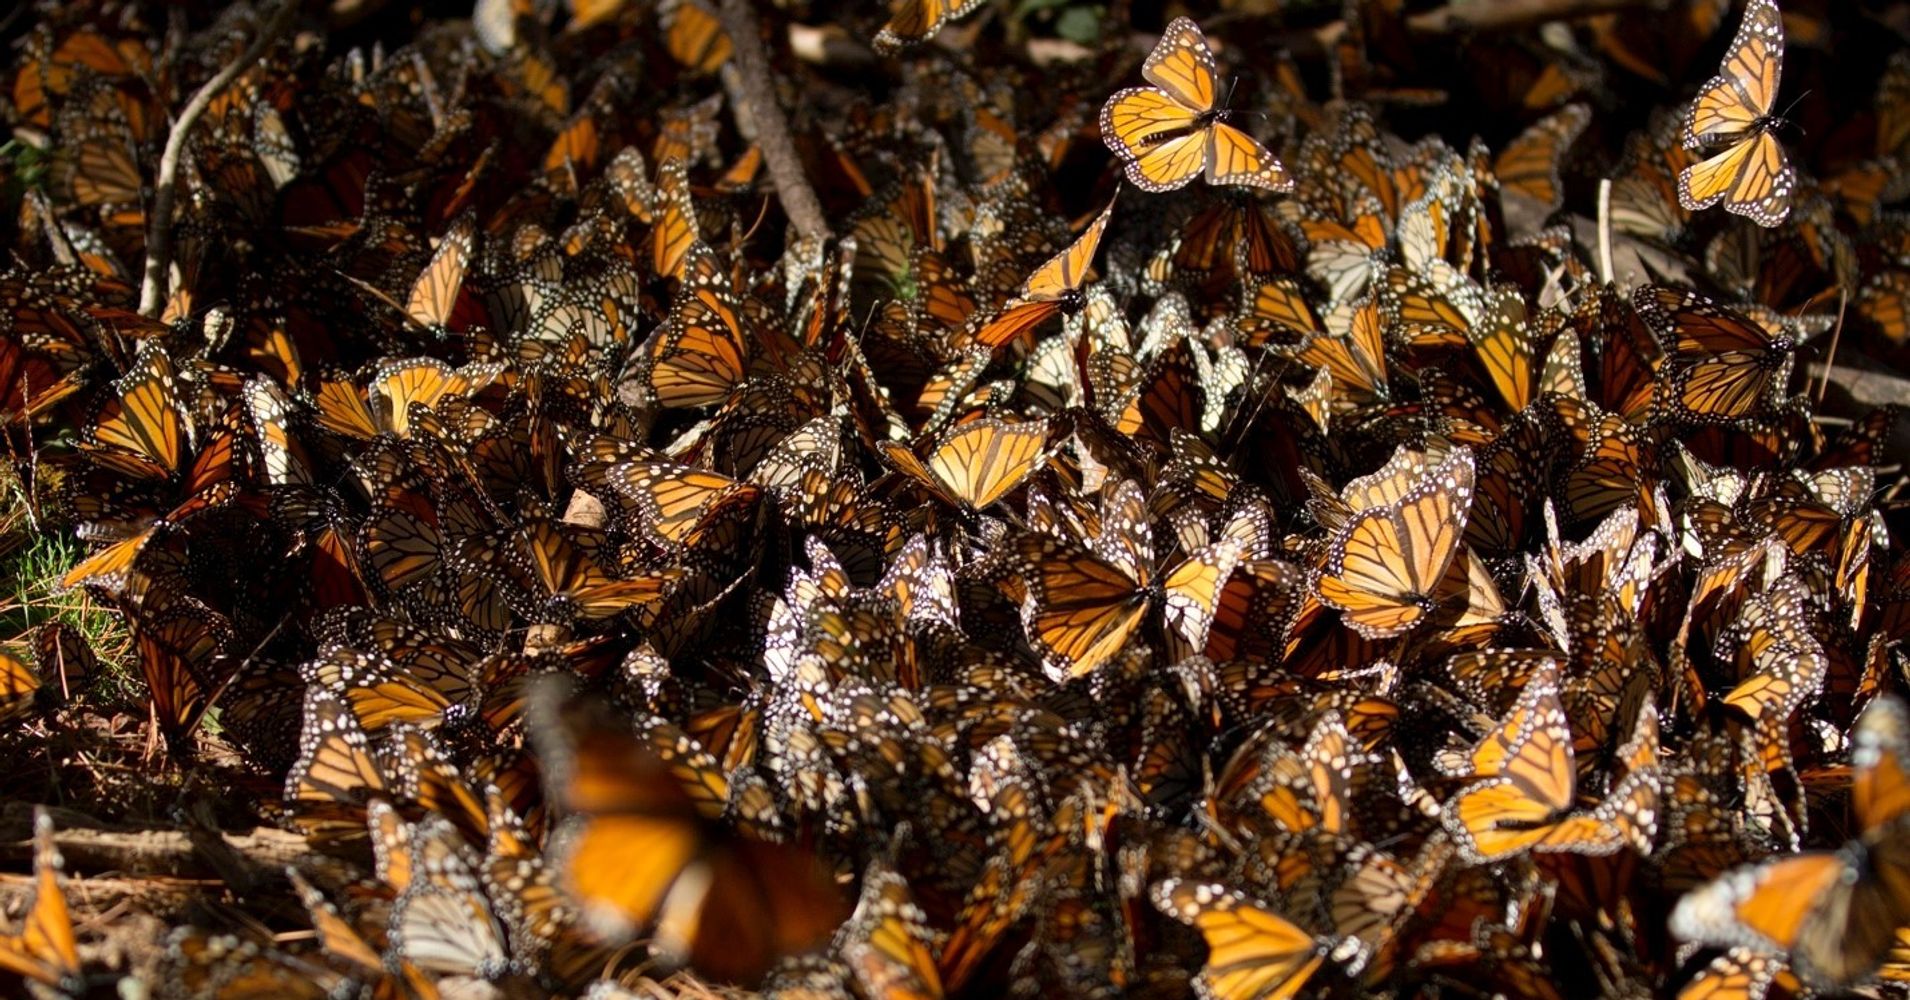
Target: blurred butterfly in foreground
[(912, 22), (1835, 912), (644, 845), (1750, 175), (1174, 131)]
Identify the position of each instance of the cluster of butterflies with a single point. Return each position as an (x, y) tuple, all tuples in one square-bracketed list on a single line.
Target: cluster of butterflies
[(1155, 546)]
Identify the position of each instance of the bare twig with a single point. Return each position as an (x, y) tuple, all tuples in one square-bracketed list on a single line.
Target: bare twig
[(263, 853), (1509, 15), (1836, 334), (1605, 230), (764, 117), (152, 291), (1478, 17)]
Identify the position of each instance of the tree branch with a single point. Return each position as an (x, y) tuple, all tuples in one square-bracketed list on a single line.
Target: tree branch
[(1509, 15), (152, 286), (261, 854), (763, 115), (1461, 18)]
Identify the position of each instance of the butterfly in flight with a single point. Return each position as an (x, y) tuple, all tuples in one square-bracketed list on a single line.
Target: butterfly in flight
[(1174, 131), (1750, 175)]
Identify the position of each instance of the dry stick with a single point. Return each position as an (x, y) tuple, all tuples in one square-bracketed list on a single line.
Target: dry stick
[(1605, 230), (1473, 18), (764, 114), (159, 225), (1510, 15), (169, 853), (1836, 334)]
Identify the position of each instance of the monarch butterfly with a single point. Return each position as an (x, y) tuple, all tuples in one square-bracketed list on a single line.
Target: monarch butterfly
[(1054, 287), (178, 639), (1083, 604), (1394, 534), (45, 951), (694, 35), (442, 920), (1741, 974), (335, 936), (891, 225), (1235, 225), (1833, 912), (1254, 953), (978, 463), (438, 300), (673, 500), (557, 572), (449, 931), (1437, 307), (1172, 132), (639, 850), (1274, 310), (1525, 798), (688, 132), (701, 354), (1723, 366), (336, 773), (1505, 343), (888, 943), (1780, 663), (41, 358), (1148, 401), (912, 22), (1529, 164), (200, 963), (141, 431), (1751, 175), (676, 226), (386, 402), (1644, 199), (1351, 349)]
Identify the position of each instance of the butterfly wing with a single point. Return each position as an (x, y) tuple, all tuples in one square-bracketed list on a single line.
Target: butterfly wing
[(1253, 952), (45, 949), (435, 294), (1731, 103), (1234, 157), (1065, 271), (912, 22), (1183, 66), (985, 460), (1191, 591), (1384, 563), (1081, 609), (1752, 178), (1158, 137), (701, 355), (1833, 911)]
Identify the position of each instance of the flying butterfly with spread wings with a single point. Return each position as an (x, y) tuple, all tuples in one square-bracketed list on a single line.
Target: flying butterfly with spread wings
[(1177, 130)]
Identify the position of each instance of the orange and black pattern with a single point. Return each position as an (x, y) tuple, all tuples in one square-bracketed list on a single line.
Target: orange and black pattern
[(1425, 559)]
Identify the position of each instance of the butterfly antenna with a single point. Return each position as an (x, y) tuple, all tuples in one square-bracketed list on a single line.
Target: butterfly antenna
[(1784, 116)]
